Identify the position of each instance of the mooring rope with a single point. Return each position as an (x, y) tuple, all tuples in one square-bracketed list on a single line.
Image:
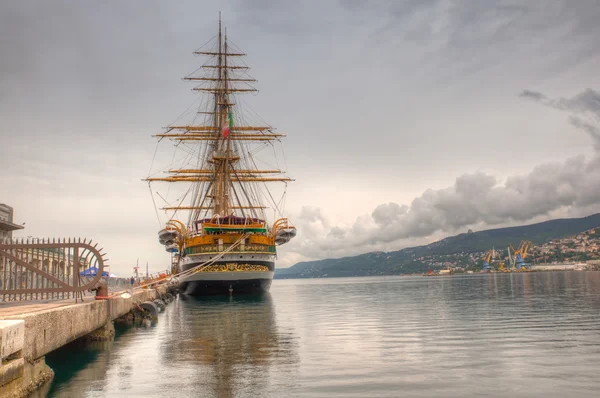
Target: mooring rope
[(188, 271)]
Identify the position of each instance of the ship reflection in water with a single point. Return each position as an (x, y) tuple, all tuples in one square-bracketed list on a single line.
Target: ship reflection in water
[(235, 341), (200, 347)]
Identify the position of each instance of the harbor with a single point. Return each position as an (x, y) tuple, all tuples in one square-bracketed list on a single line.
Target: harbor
[(299, 199)]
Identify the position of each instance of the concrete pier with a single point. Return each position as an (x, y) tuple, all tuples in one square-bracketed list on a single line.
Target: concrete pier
[(31, 331)]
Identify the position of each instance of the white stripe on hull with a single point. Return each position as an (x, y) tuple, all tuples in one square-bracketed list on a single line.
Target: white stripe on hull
[(194, 260)]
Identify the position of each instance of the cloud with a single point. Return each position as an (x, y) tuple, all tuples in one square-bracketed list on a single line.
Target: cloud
[(336, 233), (388, 213), (479, 199), (584, 108), (475, 199), (592, 130), (534, 95), (373, 96), (586, 102)]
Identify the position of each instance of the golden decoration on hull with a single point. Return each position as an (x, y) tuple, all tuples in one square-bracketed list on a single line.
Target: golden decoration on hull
[(234, 267)]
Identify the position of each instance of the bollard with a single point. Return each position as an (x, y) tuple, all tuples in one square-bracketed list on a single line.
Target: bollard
[(101, 289), (150, 308), (160, 304)]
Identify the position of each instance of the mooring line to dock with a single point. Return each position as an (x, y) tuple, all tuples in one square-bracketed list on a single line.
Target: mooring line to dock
[(189, 271), (211, 261)]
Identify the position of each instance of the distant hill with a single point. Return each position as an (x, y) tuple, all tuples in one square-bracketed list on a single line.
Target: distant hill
[(410, 260)]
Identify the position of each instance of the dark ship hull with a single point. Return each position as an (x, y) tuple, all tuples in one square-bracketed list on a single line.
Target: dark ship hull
[(221, 287), (224, 278)]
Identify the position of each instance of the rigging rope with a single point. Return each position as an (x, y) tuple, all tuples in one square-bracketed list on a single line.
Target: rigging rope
[(154, 156), (155, 208)]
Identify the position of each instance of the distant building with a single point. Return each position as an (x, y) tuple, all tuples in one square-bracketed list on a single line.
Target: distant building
[(6, 223)]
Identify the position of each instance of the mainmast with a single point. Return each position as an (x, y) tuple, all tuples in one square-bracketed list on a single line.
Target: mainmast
[(227, 175), (218, 193), (216, 188), (221, 191), (228, 159)]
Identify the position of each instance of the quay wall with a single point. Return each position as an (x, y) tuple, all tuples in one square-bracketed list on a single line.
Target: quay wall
[(558, 267), (47, 330), (29, 332)]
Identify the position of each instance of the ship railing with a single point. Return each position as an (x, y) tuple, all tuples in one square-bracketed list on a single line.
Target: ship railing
[(156, 277)]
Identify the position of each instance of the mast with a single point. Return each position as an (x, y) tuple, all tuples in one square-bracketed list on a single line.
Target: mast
[(217, 189), (221, 190), (213, 197), (225, 116), (224, 175)]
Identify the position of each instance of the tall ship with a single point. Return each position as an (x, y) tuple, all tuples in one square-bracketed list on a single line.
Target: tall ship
[(218, 230)]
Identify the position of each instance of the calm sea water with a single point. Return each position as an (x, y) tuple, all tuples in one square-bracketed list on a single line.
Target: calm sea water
[(495, 335)]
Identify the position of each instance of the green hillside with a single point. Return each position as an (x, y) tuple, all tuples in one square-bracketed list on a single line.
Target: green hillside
[(412, 260)]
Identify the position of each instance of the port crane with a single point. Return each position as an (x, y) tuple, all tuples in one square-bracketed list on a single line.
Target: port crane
[(517, 258), (486, 259)]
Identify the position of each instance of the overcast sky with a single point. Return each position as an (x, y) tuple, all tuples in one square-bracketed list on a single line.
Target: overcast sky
[(407, 121)]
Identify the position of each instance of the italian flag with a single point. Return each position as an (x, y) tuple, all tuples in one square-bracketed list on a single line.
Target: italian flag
[(227, 128)]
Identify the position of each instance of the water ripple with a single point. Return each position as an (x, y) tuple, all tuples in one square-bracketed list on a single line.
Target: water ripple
[(517, 335)]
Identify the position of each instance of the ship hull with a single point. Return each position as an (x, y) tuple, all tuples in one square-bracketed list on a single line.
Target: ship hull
[(221, 287), (237, 277)]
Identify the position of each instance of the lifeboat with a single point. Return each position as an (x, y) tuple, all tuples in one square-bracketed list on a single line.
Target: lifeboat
[(173, 248), (284, 235), (167, 236)]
